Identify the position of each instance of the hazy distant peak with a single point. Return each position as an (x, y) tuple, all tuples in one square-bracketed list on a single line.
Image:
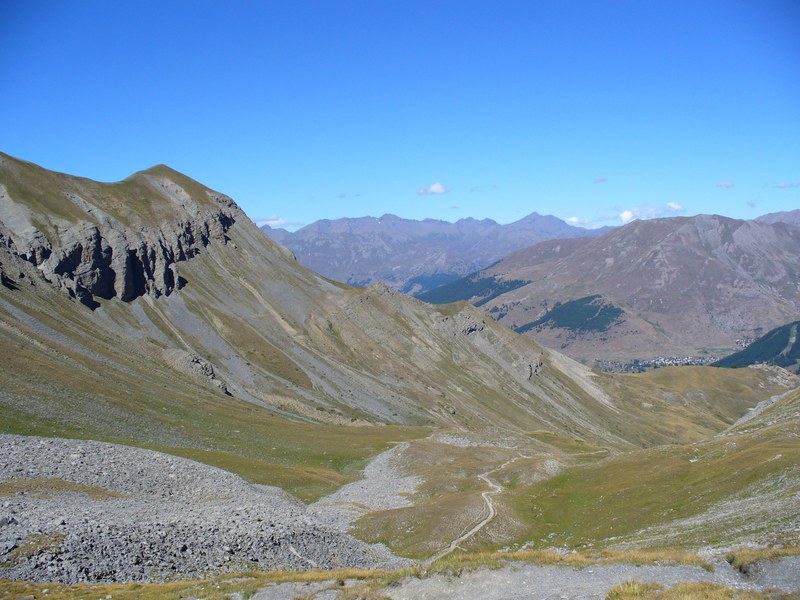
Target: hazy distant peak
[(534, 216), (415, 255), (791, 217)]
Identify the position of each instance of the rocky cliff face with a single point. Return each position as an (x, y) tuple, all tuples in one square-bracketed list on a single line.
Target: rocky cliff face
[(96, 254)]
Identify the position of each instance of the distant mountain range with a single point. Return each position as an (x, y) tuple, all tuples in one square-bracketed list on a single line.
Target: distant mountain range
[(678, 286), (414, 256)]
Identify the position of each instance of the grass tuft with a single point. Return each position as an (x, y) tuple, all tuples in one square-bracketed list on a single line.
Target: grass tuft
[(456, 563), (218, 588), (742, 559), (46, 487), (633, 589), (33, 545)]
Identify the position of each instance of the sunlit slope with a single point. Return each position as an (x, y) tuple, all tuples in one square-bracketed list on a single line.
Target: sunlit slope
[(154, 312), (735, 488), (671, 407), (682, 286)]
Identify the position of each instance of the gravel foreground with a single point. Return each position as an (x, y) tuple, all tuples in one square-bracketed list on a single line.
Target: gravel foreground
[(516, 582), (537, 582), (176, 519)]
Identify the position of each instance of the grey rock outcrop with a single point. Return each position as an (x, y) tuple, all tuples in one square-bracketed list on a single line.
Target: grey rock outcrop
[(101, 255), (195, 366)]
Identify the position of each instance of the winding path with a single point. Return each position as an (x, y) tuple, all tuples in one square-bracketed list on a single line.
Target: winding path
[(489, 511)]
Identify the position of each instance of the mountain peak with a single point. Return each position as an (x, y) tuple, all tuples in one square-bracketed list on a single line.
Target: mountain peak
[(415, 256), (685, 285)]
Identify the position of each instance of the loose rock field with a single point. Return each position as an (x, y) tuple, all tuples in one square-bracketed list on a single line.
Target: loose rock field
[(147, 516)]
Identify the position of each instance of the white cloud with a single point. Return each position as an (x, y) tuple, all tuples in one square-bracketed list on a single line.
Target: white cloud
[(578, 220), (783, 185), (600, 180), (649, 212), (725, 184), (433, 189), (275, 221)]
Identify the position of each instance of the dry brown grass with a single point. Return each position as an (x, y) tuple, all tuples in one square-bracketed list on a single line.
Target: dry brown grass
[(743, 558), (578, 560), (218, 588), (633, 590), (47, 487)]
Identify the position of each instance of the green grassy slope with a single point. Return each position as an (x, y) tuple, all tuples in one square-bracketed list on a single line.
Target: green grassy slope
[(670, 411), (712, 492), (96, 384)]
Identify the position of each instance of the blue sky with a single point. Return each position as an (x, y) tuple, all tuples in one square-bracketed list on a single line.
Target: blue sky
[(594, 111)]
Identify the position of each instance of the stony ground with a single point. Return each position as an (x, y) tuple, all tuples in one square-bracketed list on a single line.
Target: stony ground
[(553, 582), (536, 582), (153, 516), (383, 487)]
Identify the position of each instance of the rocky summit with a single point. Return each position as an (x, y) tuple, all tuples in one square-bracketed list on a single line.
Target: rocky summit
[(94, 248)]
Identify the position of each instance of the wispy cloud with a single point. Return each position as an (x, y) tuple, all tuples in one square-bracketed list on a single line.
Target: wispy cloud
[(275, 221), (599, 180), (578, 220), (727, 183), (476, 188), (670, 209), (433, 189), (624, 216), (785, 185)]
